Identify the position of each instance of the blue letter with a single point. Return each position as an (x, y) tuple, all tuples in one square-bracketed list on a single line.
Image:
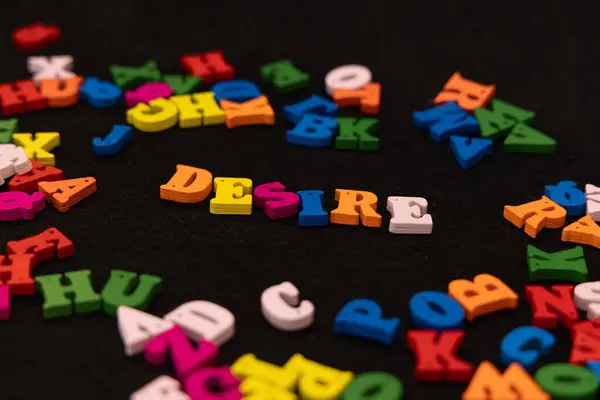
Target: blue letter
[(436, 311), (312, 213), (362, 317), (100, 94), (315, 105), (517, 346)]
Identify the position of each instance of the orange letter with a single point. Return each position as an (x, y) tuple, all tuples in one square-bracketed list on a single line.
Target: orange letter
[(353, 204), (467, 94), (584, 231), (188, 185), (252, 112), (61, 92), (65, 194), (485, 295), (514, 384), (367, 97), (543, 213)]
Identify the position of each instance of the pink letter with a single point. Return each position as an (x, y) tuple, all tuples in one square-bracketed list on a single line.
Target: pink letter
[(4, 302), (147, 92), (183, 355), (17, 205), (276, 201), (213, 384)]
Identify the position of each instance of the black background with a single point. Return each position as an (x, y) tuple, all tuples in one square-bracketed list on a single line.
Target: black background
[(543, 58)]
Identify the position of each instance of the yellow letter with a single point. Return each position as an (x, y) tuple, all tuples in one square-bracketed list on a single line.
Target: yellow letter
[(198, 109), (318, 381), (233, 196), (159, 115)]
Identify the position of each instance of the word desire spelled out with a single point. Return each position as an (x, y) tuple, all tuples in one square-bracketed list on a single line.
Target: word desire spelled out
[(236, 196)]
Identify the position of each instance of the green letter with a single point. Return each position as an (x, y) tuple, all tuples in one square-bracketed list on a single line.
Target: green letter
[(567, 265), (7, 128), (525, 139), (502, 116), (357, 135), (129, 77), (374, 386), (182, 84), (119, 291), (565, 381), (59, 298), (284, 76)]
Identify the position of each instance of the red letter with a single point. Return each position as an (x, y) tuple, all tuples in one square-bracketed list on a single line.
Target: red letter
[(548, 307), (591, 328), (39, 173), (430, 354), (586, 341), (21, 96), (35, 36), (43, 246), (210, 66), (16, 273), (585, 348)]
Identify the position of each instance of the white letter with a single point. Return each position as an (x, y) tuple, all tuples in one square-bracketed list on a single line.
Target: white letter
[(409, 215), (50, 67), (280, 307), (587, 298), (592, 195), (204, 320), (347, 77), (137, 328), (162, 388), (13, 160)]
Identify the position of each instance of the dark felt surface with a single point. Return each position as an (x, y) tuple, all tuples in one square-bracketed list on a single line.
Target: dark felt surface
[(541, 58)]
